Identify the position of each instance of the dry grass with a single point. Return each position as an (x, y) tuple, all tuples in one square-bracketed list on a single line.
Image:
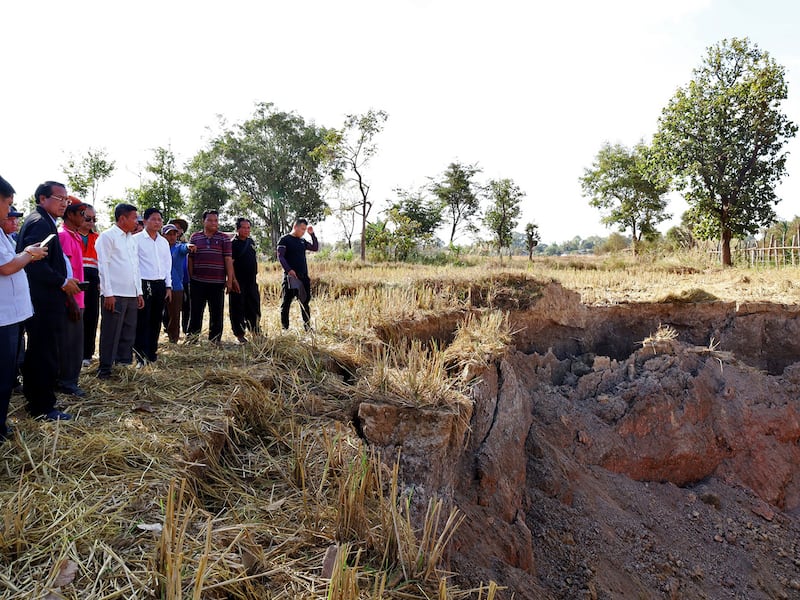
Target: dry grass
[(229, 472)]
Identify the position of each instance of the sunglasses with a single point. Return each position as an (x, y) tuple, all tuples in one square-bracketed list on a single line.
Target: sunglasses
[(90, 219)]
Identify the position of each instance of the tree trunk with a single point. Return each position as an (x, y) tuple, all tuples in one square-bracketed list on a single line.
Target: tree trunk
[(726, 247), (364, 231)]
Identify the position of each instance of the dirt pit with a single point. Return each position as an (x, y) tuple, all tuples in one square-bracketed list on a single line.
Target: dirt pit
[(599, 463)]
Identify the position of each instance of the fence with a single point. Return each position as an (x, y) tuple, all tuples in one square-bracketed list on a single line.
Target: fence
[(772, 251)]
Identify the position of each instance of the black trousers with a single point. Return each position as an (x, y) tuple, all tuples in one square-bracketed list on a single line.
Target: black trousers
[(186, 309), (288, 295), (245, 309), (212, 294), (40, 369), (91, 314), (148, 320)]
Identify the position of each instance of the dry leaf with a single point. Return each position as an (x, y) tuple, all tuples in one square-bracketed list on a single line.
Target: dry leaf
[(67, 570), (155, 527)]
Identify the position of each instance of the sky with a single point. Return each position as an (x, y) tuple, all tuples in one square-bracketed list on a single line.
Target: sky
[(527, 90)]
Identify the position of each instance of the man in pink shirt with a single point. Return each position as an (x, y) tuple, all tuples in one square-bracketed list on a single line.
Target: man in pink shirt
[(70, 341)]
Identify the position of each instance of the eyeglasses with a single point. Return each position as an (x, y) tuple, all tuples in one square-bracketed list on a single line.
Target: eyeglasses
[(90, 219), (60, 198)]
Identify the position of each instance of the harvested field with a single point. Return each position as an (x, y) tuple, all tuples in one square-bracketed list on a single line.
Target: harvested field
[(271, 470)]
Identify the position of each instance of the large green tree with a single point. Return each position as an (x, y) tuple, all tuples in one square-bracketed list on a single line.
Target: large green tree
[(502, 216), (723, 137), (348, 152), (628, 192), (161, 186), (85, 174), (459, 195), (268, 167)]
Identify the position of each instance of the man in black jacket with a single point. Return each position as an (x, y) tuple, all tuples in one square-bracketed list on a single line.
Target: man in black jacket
[(245, 305), (292, 249), (49, 286)]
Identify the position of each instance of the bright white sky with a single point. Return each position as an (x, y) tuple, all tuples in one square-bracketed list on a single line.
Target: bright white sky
[(528, 90)]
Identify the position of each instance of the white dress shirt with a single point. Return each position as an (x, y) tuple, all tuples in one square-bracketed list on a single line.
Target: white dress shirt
[(155, 259), (15, 295), (118, 264)]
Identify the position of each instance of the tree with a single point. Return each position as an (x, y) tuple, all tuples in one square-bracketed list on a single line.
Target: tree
[(84, 175), (416, 206), (206, 190), (162, 188), (268, 166), (457, 193), (348, 152), (501, 216), (723, 137), (531, 238), (628, 192)]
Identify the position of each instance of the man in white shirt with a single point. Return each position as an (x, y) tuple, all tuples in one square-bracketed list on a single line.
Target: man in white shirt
[(155, 269), (120, 290)]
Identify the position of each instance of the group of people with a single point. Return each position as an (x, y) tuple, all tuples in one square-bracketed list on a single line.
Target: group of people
[(135, 278)]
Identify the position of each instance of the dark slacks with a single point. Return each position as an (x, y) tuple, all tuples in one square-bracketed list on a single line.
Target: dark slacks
[(40, 368), (245, 309), (148, 321), (70, 353), (213, 295), (173, 314), (91, 314), (288, 295), (9, 346), (186, 309), (117, 333)]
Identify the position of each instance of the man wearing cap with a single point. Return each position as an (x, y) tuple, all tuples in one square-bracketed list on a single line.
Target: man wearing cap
[(178, 252), (50, 287), (120, 290), (70, 341), (245, 306), (10, 227), (155, 269), (15, 303)]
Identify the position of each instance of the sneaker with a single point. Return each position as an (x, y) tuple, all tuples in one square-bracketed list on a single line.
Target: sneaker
[(242, 339), (56, 415), (86, 363), (103, 375)]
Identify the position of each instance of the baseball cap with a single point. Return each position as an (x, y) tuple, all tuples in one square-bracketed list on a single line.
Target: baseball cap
[(13, 212), (167, 228)]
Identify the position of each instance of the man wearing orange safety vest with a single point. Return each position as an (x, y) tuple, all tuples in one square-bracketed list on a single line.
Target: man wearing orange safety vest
[(91, 313)]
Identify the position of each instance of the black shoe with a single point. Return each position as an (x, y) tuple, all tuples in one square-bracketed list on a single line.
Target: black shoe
[(55, 415), (103, 375), (73, 391), (7, 435)]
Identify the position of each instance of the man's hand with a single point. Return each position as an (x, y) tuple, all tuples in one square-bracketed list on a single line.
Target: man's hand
[(310, 230), (232, 286), (168, 295), (71, 287), (109, 302), (139, 301), (292, 273), (191, 247), (36, 251)]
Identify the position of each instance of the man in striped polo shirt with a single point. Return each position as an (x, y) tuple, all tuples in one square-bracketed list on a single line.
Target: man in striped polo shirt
[(211, 274)]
